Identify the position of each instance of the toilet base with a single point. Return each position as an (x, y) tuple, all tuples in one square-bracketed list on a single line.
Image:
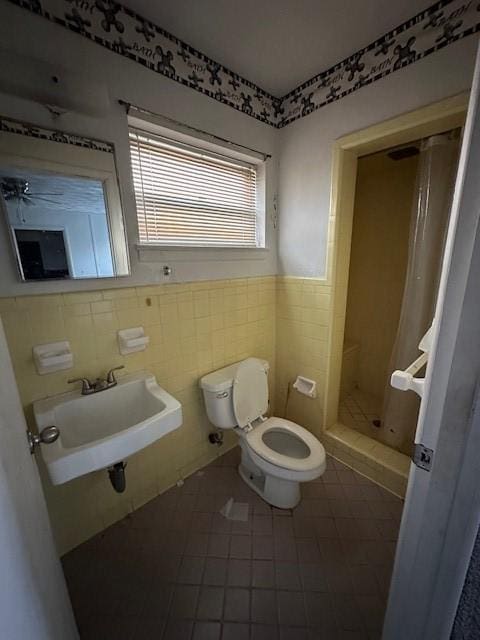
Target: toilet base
[(280, 493)]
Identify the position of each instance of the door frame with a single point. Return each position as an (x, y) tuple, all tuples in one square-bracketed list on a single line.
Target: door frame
[(426, 121)]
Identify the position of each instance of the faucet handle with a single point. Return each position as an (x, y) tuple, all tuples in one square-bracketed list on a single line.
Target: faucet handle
[(111, 374), (86, 384)]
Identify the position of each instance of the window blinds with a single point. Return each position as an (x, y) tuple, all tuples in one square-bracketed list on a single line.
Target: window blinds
[(188, 197)]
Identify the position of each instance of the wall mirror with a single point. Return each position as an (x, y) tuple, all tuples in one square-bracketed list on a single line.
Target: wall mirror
[(61, 203)]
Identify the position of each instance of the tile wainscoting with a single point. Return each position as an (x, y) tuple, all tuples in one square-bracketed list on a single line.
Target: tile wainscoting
[(193, 329), (303, 320)]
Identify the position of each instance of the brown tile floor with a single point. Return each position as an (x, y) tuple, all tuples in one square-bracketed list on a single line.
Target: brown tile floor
[(177, 569)]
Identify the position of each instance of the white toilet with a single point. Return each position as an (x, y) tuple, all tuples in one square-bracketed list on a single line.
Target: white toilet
[(276, 454)]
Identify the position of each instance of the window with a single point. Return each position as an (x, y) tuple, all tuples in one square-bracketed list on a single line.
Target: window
[(187, 196)]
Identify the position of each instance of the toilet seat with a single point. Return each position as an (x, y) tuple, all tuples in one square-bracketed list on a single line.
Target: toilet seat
[(315, 453)]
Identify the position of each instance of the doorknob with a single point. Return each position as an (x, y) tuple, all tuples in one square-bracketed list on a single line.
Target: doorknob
[(46, 436)]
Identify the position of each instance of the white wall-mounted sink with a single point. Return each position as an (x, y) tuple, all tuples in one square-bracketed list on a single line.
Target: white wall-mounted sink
[(99, 430)]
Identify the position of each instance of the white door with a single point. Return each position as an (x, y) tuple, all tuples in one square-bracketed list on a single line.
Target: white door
[(34, 603), (442, 508)]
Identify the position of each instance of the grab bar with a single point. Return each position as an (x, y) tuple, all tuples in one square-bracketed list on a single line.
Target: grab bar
[(405, 380)]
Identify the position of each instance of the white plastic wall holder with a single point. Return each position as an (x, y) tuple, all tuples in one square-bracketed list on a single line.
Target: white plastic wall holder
[(306, 386), (55, 356), (132, 340)]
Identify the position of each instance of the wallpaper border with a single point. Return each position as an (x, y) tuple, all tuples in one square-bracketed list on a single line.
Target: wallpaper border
[(10, 125), (123, 31), (425, 33)]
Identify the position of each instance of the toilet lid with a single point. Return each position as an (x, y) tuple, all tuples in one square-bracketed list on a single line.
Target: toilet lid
[(250, 391)]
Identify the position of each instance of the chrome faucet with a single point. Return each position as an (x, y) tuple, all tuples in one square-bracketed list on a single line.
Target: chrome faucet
[(100, 384)]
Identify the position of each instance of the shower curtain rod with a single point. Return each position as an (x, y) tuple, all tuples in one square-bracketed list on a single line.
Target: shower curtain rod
[(129, 105)]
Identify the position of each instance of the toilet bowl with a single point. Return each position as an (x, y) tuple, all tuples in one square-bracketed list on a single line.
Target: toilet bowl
[(277, 454)]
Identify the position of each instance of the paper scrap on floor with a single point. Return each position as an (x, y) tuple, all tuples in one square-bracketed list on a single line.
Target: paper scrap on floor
[(232, 510)]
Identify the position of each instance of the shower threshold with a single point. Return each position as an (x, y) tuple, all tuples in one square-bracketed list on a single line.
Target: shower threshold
[(384, 465)]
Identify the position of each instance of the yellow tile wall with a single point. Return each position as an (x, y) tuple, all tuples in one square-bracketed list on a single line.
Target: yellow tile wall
[(378, 263), (310, 343), (194, 328), (303, 320)]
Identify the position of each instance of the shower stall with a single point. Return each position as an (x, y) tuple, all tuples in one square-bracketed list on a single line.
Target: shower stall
[(401, 210)]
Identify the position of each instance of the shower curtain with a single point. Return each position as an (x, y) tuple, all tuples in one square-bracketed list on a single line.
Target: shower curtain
[(429, 221)]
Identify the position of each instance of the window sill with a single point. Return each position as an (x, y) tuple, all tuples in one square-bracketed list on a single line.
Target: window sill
[(160, 253)]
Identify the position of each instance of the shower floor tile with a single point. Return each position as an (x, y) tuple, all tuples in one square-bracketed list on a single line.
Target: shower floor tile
[(175, 568), (358, 410)]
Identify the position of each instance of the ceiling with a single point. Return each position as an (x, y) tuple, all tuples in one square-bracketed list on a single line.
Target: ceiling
[(278, 44), (57, 193)]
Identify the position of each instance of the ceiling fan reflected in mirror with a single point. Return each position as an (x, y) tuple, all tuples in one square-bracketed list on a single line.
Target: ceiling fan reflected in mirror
[(18, 190)]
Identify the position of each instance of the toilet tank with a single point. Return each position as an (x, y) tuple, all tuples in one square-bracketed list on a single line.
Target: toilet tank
[(217, 388)]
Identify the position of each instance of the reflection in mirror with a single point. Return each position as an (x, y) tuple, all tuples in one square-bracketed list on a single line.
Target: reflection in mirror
[(60, 200), (42, 254), (59, 224)]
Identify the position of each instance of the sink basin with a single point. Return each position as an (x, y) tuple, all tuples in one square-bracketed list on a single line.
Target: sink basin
[(104, 428)]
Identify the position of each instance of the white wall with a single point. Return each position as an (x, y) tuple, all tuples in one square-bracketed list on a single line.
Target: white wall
[(306, 148), (128, 81)]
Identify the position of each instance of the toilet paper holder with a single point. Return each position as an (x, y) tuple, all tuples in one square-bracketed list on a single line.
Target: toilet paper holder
[(306, 386)]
